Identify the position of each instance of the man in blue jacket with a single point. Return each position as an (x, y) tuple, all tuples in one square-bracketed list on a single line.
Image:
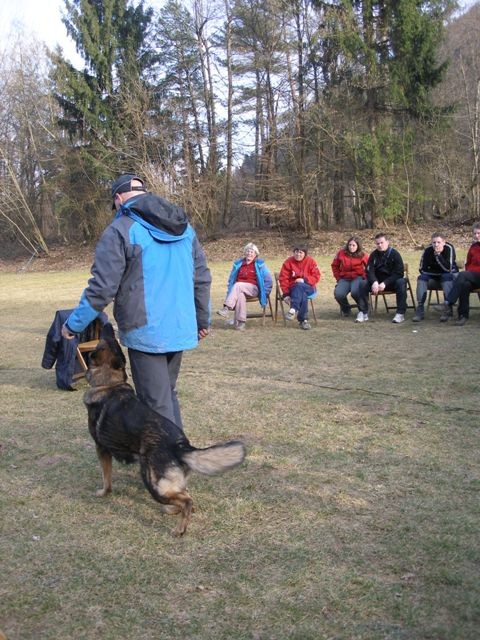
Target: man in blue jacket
[(150, 262)]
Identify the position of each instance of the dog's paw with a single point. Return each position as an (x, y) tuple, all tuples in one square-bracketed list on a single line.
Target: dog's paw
[(101, 493), (170, 509)]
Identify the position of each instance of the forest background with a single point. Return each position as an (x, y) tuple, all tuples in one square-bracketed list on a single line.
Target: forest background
[(257, 115)]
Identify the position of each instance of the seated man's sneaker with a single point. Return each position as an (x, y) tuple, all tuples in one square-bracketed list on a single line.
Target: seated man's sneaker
[(447, 314), (225, 313), (290, 315), (361, 317), (305, 325), (461, 321), (399, 317), (445, 309), (418, 317)]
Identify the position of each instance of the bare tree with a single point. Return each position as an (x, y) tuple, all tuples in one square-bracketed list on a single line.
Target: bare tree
[(26, 145)]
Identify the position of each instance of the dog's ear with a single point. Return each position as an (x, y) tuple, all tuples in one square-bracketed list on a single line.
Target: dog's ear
[(107, 332), (118, 361)]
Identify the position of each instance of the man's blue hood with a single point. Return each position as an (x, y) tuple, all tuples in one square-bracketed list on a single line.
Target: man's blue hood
[(158, 213)]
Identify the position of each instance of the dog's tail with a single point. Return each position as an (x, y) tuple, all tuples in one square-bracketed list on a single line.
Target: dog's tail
[(215, 459)]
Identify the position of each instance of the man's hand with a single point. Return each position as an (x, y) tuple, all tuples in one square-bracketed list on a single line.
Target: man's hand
[(377, 287), (66, 333), (203, 333)]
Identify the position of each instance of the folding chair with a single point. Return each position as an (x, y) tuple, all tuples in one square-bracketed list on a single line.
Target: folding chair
[(263, 313), (87, 343), (477, 291), (388, 307), (434, 286), (279, 301), (438, 287), (351, 302)]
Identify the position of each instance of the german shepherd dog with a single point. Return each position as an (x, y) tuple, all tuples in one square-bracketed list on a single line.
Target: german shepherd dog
[(126, 429)]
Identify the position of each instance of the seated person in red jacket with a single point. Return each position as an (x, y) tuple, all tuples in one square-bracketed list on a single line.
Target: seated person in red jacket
[(349, 270), (463, 284), (298, 278)]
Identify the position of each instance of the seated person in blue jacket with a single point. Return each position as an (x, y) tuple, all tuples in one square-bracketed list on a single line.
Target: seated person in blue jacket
[(249, 277), (437, 267), (385, 273)]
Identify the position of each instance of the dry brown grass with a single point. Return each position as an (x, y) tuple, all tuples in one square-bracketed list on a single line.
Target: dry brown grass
[(355, 515)]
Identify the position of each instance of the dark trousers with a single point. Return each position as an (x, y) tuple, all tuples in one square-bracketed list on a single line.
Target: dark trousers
[(155, 378), (299, 299), (400, 288), (462, 287)]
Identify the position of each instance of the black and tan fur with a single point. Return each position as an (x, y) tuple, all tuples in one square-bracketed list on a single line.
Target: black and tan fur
[(126, 429)]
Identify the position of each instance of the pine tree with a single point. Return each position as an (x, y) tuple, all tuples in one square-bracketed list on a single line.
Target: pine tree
[(111, 39), (388, 69), (100, 104)]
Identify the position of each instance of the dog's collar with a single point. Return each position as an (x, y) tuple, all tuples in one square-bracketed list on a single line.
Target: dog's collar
[(100, 393), (105, 387)]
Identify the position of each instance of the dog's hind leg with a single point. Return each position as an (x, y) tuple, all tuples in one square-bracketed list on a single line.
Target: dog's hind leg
[(167, 486), (183, 502), (106, 465)]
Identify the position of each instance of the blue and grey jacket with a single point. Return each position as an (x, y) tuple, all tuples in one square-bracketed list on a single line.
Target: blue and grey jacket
[(264, 279), (150, 262)]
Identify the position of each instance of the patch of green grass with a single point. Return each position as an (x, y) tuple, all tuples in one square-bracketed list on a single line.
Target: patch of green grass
[(355, 515)]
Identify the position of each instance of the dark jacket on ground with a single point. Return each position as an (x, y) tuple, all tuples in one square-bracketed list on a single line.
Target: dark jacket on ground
[(62, 352), (385, 266)]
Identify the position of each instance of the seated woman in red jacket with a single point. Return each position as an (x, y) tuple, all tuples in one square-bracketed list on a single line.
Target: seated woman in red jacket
[(349, 270), (298, 278)]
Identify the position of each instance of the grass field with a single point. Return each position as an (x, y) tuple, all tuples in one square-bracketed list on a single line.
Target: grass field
[(355, 515)]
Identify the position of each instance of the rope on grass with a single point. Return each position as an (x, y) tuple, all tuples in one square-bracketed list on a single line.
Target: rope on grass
[(397, 396)]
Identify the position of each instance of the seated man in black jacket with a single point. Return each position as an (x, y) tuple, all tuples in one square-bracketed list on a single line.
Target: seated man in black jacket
[(437, 267), (385, 273)]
